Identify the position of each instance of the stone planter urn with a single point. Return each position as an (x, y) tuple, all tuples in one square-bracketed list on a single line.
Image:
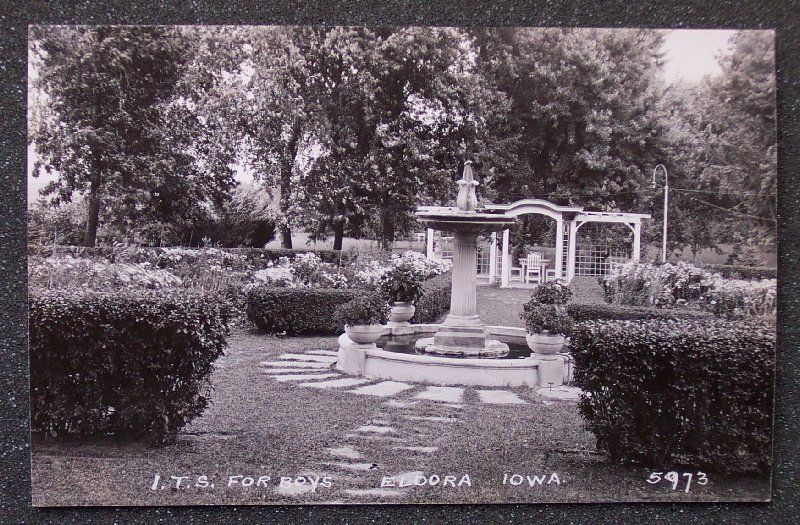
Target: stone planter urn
[(401, 312), (545, 343), (364, 334)]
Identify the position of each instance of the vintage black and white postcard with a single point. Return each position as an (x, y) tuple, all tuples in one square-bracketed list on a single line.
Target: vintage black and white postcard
[(323, 264)]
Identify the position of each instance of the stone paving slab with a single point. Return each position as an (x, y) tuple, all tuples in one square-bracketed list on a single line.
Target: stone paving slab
[(345, 452), (382, 389), (500, 397), (375, 437), (360, 467), (423, 450), (307, 357), (377, 429), (323, 352), (401, 404), (295, 371), (337, 383), (295, 364), (302, 377), (561, 393), (436, 419), (445, 394)]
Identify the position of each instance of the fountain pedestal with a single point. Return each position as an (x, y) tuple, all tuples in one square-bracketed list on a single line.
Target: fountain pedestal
[(462, 333)]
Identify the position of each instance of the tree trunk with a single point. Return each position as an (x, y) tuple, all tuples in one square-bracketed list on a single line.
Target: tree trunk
[(286, 237), (338, 235), (92, 217), (287, 166)]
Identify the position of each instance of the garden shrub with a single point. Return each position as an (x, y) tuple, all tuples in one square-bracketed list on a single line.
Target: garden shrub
[(297, 311), (611, 312), (663, 392), (435, 299), (743, 272), (132, 364), (660, 285), (739, 298)]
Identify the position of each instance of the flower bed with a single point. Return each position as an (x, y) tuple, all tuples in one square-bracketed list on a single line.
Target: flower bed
[(665, 392), (682, 285), (132, 364)]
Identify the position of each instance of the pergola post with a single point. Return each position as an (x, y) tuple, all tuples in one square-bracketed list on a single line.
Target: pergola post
[(637, 241), (493, 259), (506, 268), (429, 243), (559, 258), (573, 233)]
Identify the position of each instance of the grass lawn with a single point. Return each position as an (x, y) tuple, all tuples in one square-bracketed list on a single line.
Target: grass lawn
[(257, 426)]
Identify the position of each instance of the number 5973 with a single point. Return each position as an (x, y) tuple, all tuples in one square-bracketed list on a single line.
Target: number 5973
[(675, 479)]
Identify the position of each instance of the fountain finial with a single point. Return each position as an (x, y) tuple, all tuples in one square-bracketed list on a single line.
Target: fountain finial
[(466, 200)]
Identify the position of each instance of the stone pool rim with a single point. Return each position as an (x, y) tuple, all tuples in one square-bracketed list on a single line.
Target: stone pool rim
[(369, 361)]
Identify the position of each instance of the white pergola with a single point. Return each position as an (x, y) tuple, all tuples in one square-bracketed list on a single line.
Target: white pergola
[(569, 220)]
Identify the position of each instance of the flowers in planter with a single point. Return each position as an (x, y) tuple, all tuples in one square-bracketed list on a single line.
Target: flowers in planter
[(402, 283), (552, 293), (369, 309), (546, 318)]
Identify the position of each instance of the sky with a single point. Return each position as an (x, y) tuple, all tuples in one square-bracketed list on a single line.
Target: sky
[(689, 54)]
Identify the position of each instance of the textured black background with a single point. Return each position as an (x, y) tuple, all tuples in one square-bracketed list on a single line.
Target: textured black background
[(14, 454)]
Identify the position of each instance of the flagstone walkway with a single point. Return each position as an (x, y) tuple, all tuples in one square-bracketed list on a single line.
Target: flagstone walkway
[(410, 417)]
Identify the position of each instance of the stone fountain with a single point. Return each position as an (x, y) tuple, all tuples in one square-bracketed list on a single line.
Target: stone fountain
[(462, 333), (461, 350)]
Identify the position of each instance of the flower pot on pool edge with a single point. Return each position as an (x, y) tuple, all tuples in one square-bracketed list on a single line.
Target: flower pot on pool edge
[(545, 343), (364, 334), (401, 312)]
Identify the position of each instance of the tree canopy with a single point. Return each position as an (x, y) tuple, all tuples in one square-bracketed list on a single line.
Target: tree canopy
[(348, 129)]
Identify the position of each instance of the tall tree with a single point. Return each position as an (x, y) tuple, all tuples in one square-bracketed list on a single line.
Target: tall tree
[(116, 130)]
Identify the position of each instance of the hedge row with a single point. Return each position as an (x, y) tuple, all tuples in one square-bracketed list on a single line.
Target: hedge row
[(296, 311), (132, 365), (435, 300), (664, 392), (309, 311), (612, 312), (743, 272)]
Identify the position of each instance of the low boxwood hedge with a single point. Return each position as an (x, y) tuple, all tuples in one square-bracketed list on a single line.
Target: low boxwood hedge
[(297, 311), (665, 392), (435, 300), (309, 311), (743, 272), (132, 365), (613, 312)]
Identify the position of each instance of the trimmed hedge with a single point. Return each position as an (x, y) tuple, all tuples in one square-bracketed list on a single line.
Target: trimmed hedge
[(297, 311), (754, 273), (435, 300), (664, 392), (309, 311), (132, 365), (612, 312)]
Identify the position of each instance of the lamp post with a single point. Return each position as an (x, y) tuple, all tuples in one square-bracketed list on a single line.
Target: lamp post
[(666, 203)]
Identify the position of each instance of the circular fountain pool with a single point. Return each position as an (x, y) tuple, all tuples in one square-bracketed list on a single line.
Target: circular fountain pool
[(396, 359), (406, 344)]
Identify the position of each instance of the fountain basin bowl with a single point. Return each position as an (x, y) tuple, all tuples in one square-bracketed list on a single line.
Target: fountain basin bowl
[(376, 363), (455, 220)]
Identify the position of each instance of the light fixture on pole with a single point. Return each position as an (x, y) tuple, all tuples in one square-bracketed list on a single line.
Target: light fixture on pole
[(666, 204)]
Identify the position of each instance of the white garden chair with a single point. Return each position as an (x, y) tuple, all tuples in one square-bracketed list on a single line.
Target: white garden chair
[(533, 267)]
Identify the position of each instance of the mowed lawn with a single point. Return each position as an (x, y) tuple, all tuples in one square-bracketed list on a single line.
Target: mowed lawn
[(257, 427)]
